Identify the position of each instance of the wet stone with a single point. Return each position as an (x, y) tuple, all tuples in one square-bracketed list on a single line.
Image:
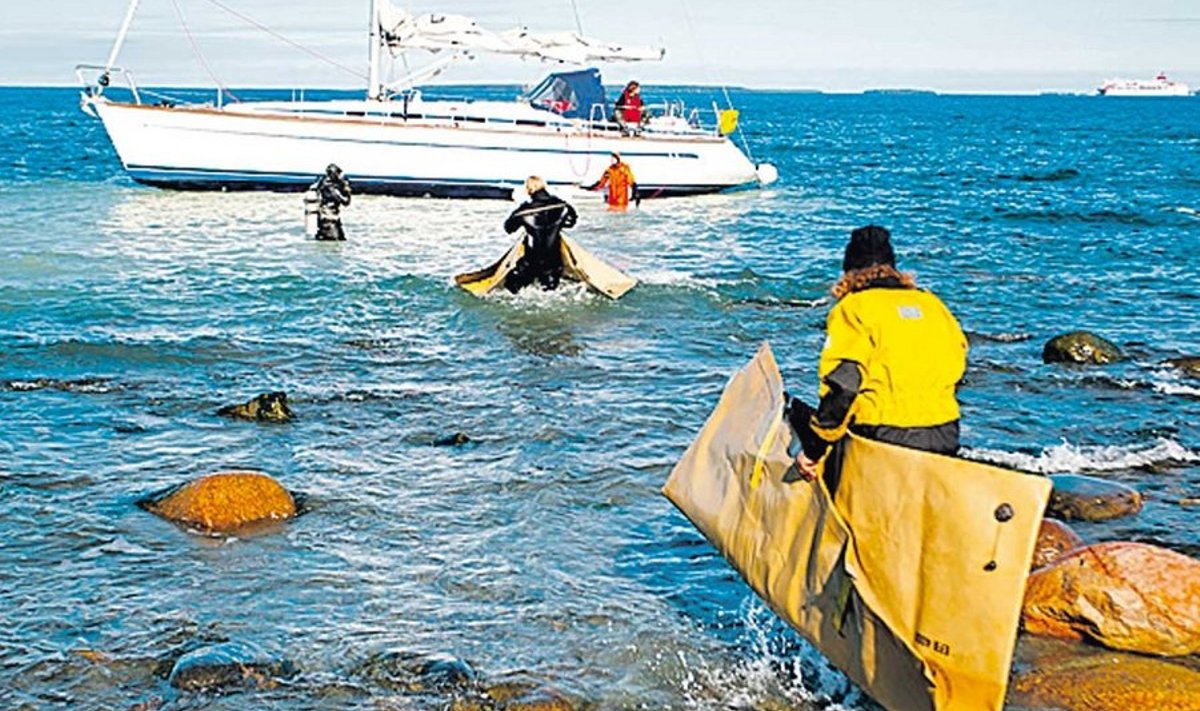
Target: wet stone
[(1129, 596), (1050, 674), (1080, 347), (223, 502), (232, 665), (1087, 498), (543, 699), (1190, 365), (418, 673), (523, 693), (454, 440), (1054, 540), (267, 407)]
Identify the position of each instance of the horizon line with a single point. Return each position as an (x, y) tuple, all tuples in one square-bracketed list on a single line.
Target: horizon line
[(700, 85)]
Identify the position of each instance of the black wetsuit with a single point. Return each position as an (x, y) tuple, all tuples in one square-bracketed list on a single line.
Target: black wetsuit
[(544, 217), (335, 193)]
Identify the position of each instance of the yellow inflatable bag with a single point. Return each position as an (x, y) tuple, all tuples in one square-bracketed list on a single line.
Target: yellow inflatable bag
[(578, 265), (908, 577)]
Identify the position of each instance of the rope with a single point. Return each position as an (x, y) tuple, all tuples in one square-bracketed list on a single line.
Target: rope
[(578, 22), (311, 52), (687, 16), (200, 55)]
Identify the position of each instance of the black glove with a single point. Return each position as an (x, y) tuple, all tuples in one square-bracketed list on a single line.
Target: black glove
[(799, 415), (637, 197)]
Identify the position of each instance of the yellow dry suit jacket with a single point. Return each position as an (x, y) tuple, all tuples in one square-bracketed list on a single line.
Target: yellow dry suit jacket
[(910, 353)]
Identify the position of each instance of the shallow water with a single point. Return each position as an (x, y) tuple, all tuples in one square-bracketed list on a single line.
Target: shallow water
[(129, 315)]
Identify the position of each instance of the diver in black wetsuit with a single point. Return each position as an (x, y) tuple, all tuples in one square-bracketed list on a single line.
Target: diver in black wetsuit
[(334, 191), (544, 217)]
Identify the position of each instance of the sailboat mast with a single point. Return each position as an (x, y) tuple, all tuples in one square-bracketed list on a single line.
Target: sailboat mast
[(112, 56), (374, 84)]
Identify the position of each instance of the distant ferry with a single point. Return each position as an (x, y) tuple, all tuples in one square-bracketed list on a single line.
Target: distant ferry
[(1161, 86)]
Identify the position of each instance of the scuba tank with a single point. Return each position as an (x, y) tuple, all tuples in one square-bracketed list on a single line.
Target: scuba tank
[(312, 206)]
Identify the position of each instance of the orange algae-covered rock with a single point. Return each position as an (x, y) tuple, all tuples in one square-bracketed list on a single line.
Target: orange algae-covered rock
[(224, 501), (1130, 596), (1055, 539), (1111, 682)]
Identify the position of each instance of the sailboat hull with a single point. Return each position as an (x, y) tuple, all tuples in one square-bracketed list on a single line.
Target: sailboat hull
[(206, 148)]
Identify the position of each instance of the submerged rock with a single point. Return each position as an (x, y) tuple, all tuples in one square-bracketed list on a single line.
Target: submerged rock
[(1128, 596), (223, 502), (227, 666), (1080, 347), (418, 673), (522, 693), (452, 441), (267, 407), (1054, 540), (1067, 677), (1189, 366), (1090, 499), (540, 699)]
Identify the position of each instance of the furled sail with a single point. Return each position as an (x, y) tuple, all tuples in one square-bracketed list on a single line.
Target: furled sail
[(435, 32)]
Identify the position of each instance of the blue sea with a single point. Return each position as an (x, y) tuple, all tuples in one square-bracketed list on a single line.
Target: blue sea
[(129, 315)]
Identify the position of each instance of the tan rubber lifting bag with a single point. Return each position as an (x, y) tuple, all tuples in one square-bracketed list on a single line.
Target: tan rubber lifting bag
[(909, 579), (578, 265)]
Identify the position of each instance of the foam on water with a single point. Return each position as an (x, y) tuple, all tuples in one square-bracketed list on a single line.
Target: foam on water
[(1066, 457), (776, 669)]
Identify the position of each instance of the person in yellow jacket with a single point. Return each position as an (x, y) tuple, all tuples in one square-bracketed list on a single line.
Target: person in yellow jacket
[(891, 364)]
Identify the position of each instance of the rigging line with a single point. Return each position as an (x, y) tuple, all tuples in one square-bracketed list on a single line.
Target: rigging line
[(200, 55), (287, 40), (687, 16), (578, 22)]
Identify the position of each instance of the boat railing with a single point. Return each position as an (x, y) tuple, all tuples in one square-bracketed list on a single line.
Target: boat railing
[(669, 117), (96, 78)]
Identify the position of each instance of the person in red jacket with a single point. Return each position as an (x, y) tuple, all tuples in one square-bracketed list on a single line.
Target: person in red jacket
[(629, 110), (621, 184)]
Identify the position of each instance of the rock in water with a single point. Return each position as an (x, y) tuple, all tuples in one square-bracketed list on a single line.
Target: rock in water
[(267, 407), (1087, 498), (1086, 679), (226, 666), (1129, 596), (1080, 347), (418, 673), (1189, 366), (525, 694), (452, 441), (1054, 540), (223, 502)]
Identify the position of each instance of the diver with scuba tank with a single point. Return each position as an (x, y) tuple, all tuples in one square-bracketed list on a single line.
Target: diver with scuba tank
[(333, 193), (544, 217)]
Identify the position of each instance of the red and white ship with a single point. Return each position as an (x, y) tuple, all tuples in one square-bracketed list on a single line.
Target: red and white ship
[(1160, 86)]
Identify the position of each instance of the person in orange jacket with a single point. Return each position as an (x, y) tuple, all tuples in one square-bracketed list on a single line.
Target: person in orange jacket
[(621, 184)]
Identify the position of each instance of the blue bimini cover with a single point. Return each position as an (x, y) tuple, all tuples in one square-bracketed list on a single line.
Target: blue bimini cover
[(571, 94)]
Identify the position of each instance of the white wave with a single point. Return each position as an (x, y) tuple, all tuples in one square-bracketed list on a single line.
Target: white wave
[(117, 546), (665, 277), (768, 675), (1188, 211), (1171, 388), (533, 297), (1067, 457)]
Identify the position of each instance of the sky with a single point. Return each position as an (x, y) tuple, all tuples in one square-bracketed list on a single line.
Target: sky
[(995, 46)]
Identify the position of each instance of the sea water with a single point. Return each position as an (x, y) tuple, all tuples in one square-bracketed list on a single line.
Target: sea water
[(128, 315)]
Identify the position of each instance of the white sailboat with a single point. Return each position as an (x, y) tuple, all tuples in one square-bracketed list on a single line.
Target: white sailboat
[(394, 141)]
